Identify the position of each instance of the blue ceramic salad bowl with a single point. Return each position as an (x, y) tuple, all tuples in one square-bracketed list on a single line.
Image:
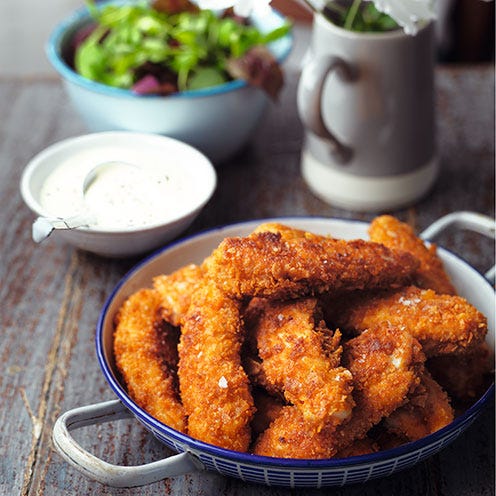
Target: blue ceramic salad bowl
[(217, 120)]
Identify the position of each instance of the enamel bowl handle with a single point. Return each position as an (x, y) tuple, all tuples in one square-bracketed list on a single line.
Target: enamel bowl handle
[(471, 221), (107, 473)]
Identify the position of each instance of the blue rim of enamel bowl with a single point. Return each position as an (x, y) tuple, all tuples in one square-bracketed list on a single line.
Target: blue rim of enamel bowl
[(199, 447), (53, 51)]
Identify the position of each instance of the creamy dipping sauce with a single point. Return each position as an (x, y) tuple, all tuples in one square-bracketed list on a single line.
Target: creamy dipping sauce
[(120, 197)]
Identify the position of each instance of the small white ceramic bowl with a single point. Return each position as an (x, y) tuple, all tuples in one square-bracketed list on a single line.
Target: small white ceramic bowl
[(218, 120), (198, 175)]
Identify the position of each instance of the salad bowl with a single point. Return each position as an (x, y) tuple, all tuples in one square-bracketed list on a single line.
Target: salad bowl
[(218, 120), (194, 455)]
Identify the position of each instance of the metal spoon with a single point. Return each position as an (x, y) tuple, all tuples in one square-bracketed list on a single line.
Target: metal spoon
[(44, 226)]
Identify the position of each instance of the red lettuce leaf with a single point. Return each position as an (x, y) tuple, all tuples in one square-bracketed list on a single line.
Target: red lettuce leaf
[(259, 68)]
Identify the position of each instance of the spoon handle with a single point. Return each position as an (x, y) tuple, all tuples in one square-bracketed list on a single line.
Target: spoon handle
[(44, 226)]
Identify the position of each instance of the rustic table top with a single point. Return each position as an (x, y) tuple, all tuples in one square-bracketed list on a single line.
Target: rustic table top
[(52, 294)]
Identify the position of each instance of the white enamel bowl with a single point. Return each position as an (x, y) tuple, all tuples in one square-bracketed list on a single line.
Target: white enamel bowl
[(218, 120), (194, 455), (124, 146)]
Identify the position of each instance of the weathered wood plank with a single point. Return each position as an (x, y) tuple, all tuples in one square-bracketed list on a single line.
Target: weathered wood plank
[(51, 295)]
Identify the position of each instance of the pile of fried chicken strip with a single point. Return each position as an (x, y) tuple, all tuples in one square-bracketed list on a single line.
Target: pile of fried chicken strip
[(285, 343)]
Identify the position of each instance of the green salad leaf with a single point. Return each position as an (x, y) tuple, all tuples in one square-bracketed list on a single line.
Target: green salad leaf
[(359, 16), (131, 41)]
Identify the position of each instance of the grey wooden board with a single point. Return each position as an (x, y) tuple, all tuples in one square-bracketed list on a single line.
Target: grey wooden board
[(51, 294)]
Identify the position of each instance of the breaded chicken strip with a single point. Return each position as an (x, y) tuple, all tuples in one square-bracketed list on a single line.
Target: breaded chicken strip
[(175, 290), (385, 439), (427, 411), (359, 447), (330, 344), (145, 349), (214, 387), (397, 235), (465, 376), (291, 436), (386, 365), (265, 264), (292, 342), (442, 323), (268, 408), (300, 358), (287, 233)]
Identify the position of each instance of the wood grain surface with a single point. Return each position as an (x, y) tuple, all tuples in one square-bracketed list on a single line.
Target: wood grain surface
[(51, 294)]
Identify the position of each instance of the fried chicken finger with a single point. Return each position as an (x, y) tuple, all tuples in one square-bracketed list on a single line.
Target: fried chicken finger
[(214, 387), (175, 290), (386, 365), (426, 412), (287, 232), (291, 436), (395, 234), (145, 349), (300, 358), (466, 375), (292, 340), (265, 264), (442, 323)]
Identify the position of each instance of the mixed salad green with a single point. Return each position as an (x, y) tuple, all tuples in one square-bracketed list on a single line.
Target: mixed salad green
[(359, 16), (150, 49)]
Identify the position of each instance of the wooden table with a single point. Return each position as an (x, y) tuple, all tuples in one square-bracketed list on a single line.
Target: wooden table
[(51, 294)]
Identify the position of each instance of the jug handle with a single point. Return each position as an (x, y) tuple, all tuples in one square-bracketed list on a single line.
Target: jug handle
[(309, 100)]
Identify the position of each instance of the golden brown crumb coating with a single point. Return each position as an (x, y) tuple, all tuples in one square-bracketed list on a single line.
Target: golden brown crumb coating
[(141, 337), (292, 344), (175, 290), (291, 436), (466, 375), (214, 387), (238, 351), (359, 447), (268, 408), (397, 235), (428, 410), (287, 232), (442, 323), (265, 264), (386, 365), (300, 358)]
